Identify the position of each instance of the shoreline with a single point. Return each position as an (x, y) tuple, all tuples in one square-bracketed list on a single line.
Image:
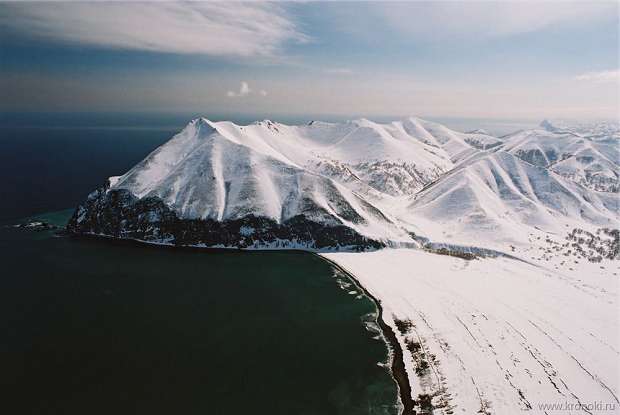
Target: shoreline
[(397, 364), (395, 353)]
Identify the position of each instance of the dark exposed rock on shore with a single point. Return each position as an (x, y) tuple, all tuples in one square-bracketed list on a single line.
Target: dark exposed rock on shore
[(35, 225), (118, 213)]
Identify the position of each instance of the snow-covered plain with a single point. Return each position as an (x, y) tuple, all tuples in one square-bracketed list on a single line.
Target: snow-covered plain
[(500, 336)]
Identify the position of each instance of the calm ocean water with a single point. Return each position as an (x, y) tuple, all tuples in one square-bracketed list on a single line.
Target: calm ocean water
[(100, 327), (46, 169)]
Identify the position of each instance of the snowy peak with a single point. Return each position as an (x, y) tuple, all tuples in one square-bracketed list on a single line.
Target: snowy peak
[(593, 130), (546, 124)]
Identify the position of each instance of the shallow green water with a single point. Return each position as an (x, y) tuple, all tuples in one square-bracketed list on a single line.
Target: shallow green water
[(98, 327)]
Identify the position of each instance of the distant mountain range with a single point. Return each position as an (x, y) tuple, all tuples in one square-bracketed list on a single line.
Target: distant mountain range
[(360, 185)]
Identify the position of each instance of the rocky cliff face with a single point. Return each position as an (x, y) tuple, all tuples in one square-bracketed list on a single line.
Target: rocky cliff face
[(117, 213)]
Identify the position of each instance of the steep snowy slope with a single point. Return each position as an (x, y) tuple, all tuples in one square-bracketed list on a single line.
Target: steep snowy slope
[(588, 158), (396, 158), (458, 146), (384, 156), (496, 198)]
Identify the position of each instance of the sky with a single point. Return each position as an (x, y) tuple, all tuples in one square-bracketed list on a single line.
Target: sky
[(494, 60)]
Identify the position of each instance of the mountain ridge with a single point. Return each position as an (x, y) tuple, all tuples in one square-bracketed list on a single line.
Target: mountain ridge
[(390, 183)]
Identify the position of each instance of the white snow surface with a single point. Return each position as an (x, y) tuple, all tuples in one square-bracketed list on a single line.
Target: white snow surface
[(507, 336)]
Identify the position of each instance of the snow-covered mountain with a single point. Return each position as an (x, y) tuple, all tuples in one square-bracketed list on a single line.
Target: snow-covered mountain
[(589, 157), (357, 184), (497, 196)]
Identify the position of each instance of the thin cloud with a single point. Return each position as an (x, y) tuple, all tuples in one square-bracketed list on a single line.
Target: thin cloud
[(601, 76), (488, 19), (210, 28), (244, 90), (338, 71)]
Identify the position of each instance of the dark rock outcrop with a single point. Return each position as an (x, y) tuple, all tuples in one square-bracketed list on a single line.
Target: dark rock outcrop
[(119, 214)]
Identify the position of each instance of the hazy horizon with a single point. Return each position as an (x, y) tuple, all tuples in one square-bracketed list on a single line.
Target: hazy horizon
[(174, 120)]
